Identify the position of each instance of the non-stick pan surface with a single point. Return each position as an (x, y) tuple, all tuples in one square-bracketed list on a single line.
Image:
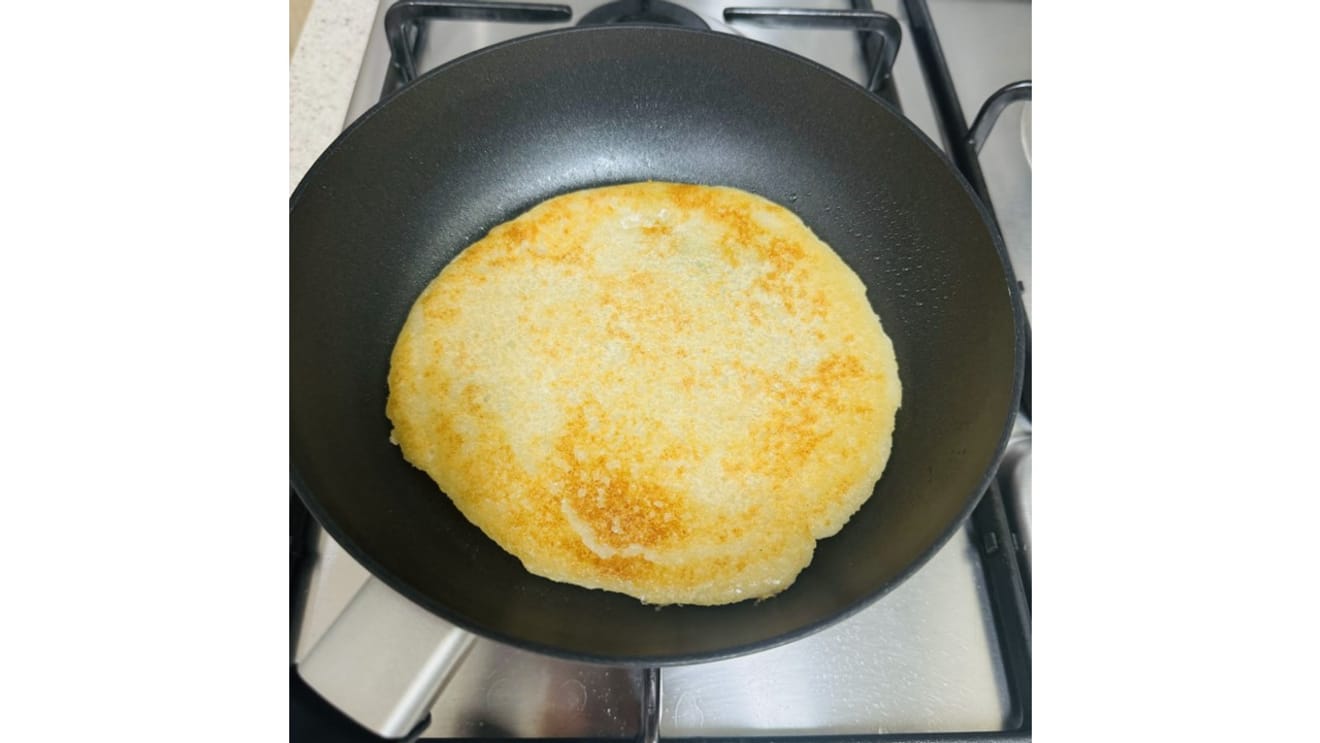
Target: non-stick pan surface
[(482, 139)]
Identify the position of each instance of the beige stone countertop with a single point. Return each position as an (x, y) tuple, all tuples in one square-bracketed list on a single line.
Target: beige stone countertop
[(322, 72)]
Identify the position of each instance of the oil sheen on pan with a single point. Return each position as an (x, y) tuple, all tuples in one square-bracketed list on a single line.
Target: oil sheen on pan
[(666, 390)]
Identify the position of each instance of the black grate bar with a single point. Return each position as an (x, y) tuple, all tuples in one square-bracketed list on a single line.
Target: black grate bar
[(405, 33), (1000, 561), (992, 108), (882, 27), (871, 47), (949, 113), (957, 137), (1009, 598)]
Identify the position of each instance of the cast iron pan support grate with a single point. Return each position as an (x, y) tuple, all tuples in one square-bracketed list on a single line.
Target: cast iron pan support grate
[(406, 35), (1002, 557), (881, 36)]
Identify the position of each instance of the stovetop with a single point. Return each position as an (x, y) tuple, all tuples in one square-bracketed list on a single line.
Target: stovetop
[(948, 651)]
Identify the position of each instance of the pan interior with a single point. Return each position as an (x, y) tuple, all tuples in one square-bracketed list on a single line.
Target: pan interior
[(479, 141)]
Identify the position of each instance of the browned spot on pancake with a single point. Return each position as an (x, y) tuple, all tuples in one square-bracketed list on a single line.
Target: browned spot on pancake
[(822, 387), (441, 311), (642, 301), (740, 228), (795, 427), (516, 233), (687, 196), (786, 261), (741, 236), (820, 305), (641, 281), (621, 509), (783, 255), (522, 241)]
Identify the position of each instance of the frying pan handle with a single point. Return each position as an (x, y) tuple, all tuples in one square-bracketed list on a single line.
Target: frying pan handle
[(383, 662)]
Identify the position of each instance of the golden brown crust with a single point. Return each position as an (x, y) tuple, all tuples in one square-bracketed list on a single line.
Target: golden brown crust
[(666, 390)]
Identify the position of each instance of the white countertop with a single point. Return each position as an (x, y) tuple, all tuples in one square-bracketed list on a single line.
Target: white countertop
[(321, 76)]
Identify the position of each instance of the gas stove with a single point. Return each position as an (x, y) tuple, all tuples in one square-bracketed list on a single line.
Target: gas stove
[(948, 651)]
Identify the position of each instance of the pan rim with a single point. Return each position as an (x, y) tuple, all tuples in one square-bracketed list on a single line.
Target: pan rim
[(635, 661)]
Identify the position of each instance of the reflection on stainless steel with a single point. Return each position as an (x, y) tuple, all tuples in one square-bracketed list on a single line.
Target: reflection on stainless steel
[(925, 657), (1026, 132), (500, 691), (918, 660), (384, 660), (652, 702), (1015, 480)]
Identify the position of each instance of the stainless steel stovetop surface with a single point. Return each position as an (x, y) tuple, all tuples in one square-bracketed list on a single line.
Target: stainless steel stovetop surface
[(923, 659), (893, 668)]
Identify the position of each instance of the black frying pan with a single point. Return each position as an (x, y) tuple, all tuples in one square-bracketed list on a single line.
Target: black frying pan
[(482, 139)]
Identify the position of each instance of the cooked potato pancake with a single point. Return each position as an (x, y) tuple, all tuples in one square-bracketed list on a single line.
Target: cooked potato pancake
[(666, 390)]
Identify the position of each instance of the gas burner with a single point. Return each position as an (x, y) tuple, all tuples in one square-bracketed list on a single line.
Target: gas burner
[(643, 11)]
